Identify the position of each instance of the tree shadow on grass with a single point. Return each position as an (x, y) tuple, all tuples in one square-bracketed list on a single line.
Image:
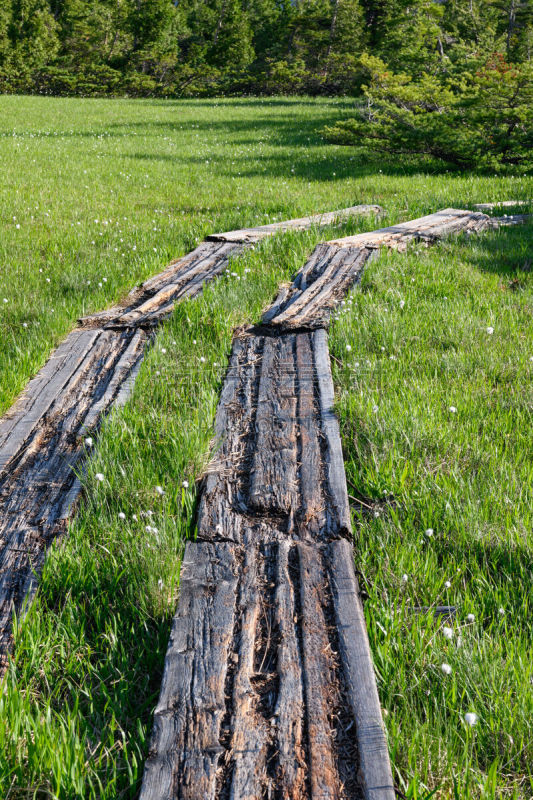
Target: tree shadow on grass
[(506, 251)]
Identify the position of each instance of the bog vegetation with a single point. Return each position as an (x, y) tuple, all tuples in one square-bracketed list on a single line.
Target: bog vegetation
[(99, 194), (447, 77)]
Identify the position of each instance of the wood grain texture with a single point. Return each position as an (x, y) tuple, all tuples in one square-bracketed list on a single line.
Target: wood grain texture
[(426, 229), (278, 455), (273, 471), (43, 446), (185, 751), (359, 676), (328, 218)]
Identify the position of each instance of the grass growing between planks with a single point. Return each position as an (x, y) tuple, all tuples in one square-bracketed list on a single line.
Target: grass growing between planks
[(436, 402), (97, 195), (77, 702)]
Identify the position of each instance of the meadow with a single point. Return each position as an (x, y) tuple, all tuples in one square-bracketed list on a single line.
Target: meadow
[(99, 194)]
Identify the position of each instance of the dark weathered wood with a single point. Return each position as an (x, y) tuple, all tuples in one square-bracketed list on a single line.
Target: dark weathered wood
[(280, 456), (318, 677), (334, 462), (249, 728), (511, 219), (358, 671), (185, 753), (289, 713), (313, 505), (43, 444), (310, 307), (328, 218), (426, 229), (273, 473)]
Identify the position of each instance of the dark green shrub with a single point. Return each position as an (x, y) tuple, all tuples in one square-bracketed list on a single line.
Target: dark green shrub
[(481, 119)]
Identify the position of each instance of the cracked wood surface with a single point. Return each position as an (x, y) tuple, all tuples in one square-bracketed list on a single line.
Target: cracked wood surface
[(335, 266), (329, 218), (41, 436), (301, 718), (274, 515)]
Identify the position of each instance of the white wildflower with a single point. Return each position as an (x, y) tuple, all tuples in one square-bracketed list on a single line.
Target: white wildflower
[(99, 476), (453, 409), (185, 484), (159, 490), (446, 669), (348, 347), (429, 532), (471, 718), (447, 632), (470, 618), (490, 330), (121, 515)]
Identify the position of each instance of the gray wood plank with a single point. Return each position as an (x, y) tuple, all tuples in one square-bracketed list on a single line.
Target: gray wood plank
[(185, 749), (302, 223), (340, 523), (359, 675)]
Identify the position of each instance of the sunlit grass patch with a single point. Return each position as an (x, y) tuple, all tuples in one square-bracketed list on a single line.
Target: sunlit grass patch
[(436, 401)]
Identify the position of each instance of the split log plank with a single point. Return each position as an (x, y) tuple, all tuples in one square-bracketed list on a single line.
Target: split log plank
[(41, 452), (93, 369), (359, 674), (303, 223), (185, 751)]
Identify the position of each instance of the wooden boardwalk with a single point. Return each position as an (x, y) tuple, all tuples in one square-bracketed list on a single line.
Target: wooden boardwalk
[(268, 688), (42, 436)]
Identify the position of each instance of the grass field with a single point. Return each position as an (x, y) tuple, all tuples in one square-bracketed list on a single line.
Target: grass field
[(106, 192)]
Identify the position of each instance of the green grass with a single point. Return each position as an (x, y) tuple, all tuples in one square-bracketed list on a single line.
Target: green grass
[(107, 191), (468, 476), (79, 694)]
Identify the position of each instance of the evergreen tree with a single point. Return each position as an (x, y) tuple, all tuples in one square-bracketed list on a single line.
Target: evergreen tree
[(33, 34)]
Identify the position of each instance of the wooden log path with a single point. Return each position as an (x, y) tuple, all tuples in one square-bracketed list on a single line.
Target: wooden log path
[(42, 436), (268, 688)]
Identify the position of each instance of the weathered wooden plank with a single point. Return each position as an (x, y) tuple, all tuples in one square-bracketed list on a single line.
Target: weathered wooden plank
[(426, 229), (340, 523), (209, 263), (501, 204), (511, 219), (273, 473), (249, 728), (185, 750), (358, 671), (39, 487), (289, 713), (328, 218), (22, 419), (223, 501), (311, 307), (311, 518), (318, 677)]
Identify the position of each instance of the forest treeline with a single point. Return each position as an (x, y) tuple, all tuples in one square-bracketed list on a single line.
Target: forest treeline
[(451, 79), (193, 47)]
